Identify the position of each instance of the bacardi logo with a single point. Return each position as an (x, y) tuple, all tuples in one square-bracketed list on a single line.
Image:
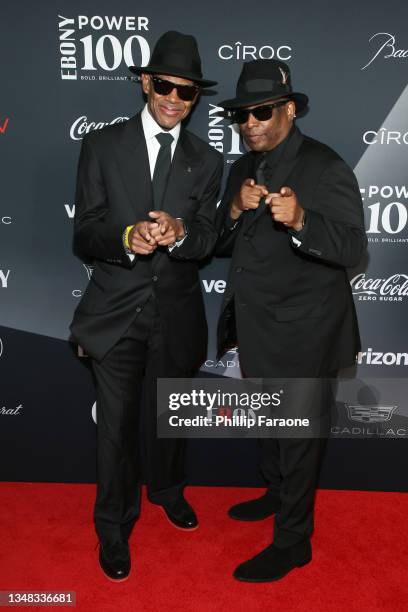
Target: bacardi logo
[(385, 47)]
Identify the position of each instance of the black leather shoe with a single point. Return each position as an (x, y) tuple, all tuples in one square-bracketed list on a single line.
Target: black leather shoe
[(114, 560), (273, 563), (255, 509), (181, 514)]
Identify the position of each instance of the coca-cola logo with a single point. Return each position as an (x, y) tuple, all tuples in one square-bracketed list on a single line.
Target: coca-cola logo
[(82, 126), (391, 289)]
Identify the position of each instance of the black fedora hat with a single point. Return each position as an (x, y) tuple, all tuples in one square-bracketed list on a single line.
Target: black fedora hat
[(263, 80), (175, 54)]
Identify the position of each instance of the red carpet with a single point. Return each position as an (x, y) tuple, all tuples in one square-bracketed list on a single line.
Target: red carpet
[(360, 553)]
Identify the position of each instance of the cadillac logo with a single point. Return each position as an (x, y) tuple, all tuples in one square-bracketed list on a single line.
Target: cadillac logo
[(370, 413)]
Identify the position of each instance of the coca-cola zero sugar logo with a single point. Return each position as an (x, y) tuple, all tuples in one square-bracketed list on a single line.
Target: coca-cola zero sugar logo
[(82, 126), (93, 48), (391, 289)]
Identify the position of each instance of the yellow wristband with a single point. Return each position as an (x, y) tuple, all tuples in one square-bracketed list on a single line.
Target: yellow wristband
[(125, 237)]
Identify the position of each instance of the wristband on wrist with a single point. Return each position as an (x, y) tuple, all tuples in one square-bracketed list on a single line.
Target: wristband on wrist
[(125, 238)]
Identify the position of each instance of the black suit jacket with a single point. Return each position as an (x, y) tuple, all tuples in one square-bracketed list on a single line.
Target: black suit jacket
[(113, 191), (293, 305)]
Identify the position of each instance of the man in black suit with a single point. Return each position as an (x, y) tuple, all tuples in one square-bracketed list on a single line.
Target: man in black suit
[(292, 220), (145, 216)]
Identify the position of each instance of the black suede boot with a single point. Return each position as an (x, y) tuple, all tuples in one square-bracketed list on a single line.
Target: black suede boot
[(256, 509), (273, 563)]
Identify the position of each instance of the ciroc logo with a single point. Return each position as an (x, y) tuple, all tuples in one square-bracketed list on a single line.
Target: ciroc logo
[(245, 52)]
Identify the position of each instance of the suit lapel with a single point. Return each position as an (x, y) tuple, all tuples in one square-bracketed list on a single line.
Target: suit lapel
[(282, 171), (133, 164)]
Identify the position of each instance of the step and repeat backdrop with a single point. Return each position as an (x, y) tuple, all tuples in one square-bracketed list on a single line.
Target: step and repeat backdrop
[(64, 73)]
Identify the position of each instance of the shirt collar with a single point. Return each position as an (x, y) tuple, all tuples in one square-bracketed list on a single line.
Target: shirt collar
[(151, 128), (273, 156)]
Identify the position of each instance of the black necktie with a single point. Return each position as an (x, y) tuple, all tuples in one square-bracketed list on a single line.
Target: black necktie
[(260, 180), (162, 168), (260, 171)]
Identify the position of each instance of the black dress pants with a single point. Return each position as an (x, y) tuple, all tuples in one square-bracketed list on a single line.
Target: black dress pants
[(291, 467), (126, 428)]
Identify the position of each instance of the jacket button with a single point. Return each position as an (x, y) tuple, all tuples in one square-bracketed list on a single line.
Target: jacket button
[(155, 278), (238, 269), (138, 309), (246, 238)]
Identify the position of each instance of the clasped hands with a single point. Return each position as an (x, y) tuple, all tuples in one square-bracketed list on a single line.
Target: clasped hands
[(163, 230), (284, 206)]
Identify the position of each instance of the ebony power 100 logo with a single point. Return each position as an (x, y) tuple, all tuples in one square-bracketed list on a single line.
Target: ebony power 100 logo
[(92, 48)]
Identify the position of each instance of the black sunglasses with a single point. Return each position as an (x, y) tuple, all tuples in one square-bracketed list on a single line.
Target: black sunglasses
[(261, 113), (164, 87)]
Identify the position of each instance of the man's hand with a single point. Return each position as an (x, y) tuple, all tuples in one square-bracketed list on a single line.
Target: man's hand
[(285, 208), (167, 230), (247, 198), (141, 240)]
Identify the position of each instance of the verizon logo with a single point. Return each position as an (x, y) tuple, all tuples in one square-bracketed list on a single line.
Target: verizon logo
[(3, 126)]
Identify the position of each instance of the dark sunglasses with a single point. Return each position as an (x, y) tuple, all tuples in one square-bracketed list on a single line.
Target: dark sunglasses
[(261, 113), (164, 87)]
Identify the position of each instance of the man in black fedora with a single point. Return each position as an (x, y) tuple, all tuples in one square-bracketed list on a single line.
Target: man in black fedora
[(291, 218), (145, 216)]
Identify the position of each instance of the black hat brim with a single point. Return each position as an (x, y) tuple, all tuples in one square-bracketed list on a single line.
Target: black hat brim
[(301, 100), (184, 74)]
